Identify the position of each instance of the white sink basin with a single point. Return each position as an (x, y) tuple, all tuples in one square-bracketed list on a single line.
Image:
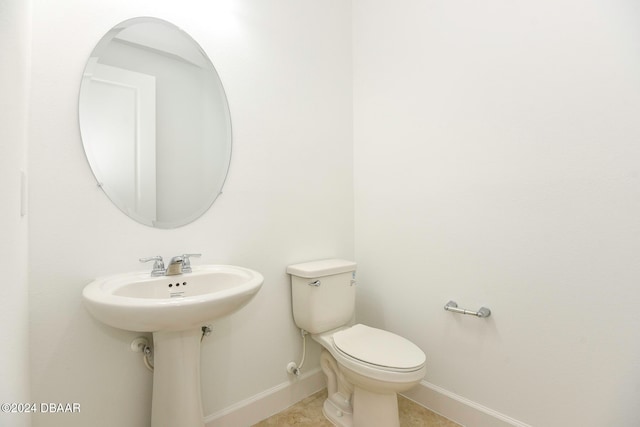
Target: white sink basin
[(174, 308), (139, 302)]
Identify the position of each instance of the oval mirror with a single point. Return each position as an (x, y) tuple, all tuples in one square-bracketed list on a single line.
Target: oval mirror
[(155, 123)]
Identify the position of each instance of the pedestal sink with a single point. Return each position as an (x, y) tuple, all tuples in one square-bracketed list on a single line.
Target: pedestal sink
[(173, 308)]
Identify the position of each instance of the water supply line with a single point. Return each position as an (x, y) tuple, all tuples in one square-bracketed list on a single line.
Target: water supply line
[(292, 367), (141, 345), (206, 331), (147, 352)]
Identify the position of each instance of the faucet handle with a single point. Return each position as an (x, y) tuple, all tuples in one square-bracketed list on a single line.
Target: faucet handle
[(186, 262), (158, 265)]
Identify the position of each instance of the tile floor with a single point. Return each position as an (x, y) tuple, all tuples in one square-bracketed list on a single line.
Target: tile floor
[(308, 412)]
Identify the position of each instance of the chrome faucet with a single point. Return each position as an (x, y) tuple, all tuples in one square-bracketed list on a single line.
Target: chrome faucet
[(158, 265), (186, 262), (175, 266), (178, 265)]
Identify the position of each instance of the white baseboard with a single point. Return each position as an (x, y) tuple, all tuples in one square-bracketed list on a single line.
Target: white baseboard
[(256, 408), (457, 408), (276, 399)]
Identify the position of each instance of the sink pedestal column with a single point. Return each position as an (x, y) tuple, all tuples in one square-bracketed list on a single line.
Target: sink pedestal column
[(177, 400)]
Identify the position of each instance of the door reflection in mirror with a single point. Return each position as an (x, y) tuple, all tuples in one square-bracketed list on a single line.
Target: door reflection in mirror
[(155, 123)]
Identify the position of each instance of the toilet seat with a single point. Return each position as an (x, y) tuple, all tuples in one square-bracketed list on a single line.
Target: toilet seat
[(378, 348), (412, 370)]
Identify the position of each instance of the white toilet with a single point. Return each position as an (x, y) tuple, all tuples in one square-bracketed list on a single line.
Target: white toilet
[(365, 367)]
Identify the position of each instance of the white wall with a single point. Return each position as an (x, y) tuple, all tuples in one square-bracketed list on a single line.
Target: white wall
[(14, 339), (497, 164), (288, 198)]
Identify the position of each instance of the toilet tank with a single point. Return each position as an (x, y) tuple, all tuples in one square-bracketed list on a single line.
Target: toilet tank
[(323, 294)]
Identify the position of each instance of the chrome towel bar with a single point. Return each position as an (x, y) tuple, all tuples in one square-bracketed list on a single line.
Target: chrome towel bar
[(453, 306)]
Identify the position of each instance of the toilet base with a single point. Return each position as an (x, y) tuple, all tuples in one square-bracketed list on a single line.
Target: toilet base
[(372, 409), (334, 414)]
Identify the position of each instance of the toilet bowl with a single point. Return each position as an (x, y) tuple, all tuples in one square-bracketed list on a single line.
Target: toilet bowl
[(370, 367), (365, 367)]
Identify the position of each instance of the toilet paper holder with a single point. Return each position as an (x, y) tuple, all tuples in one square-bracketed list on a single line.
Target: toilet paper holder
[(453, 306)]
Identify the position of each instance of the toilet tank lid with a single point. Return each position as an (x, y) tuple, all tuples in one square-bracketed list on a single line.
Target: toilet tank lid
[(321, 268)]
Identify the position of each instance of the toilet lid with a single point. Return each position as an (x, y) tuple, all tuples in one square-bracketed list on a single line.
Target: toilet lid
[(379, 347)]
